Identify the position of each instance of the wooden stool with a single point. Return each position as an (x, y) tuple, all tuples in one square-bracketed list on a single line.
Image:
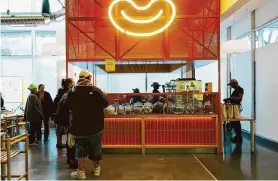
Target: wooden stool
[(7, 154)]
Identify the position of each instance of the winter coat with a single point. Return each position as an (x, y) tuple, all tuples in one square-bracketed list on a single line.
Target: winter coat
[(33, 110), (86, 103)]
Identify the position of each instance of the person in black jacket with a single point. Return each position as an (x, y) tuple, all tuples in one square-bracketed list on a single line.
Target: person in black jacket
[(33, 113), (61, 120), (87, 104), (236, 99), (2, 102), (47, 108)]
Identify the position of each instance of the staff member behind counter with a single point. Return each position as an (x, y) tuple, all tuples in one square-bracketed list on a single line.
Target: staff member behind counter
[(135, 98), (236, 99), (156, 87)]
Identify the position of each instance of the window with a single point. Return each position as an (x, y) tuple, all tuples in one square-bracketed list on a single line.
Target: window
[(43, 37), (267, 34), (16, 43)]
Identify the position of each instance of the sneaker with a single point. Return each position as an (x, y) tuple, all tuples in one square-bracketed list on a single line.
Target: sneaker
[(96, 171), (79, 175)]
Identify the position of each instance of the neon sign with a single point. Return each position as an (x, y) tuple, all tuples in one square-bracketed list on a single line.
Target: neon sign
[(141, 21)]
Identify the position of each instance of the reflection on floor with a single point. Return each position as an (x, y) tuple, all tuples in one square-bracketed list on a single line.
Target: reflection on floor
[(48, 163)]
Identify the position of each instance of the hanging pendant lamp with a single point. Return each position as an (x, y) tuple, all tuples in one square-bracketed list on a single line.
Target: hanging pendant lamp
[(46, 8)]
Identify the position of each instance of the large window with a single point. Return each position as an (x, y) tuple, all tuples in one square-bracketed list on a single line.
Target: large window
[(16, 43), (43, 37), (267, 34)]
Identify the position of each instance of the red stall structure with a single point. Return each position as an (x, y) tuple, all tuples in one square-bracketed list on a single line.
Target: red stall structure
[(145, 31)]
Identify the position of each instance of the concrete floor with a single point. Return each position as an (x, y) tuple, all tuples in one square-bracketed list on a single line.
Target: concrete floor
[(48, 163)]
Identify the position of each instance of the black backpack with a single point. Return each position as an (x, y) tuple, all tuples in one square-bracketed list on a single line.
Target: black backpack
[(63, 112)]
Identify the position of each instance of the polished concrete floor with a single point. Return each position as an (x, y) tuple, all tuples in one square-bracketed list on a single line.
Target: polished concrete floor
[(237, 163)]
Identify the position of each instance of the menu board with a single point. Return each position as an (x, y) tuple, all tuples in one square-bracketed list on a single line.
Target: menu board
[(11, 89)]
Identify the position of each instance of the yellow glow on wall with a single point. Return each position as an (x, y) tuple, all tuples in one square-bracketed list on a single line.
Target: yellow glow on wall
[(226, 4), (141, 21)]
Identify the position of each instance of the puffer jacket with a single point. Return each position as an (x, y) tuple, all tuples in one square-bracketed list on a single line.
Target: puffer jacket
[(86, 103)]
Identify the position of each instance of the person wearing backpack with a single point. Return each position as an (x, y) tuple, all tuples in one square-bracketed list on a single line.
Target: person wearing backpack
[(87, 104), (61, 120)]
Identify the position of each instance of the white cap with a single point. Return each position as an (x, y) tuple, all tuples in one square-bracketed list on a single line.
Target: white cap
[(85, 73)]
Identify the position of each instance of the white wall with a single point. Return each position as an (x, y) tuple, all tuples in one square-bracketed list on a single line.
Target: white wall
[(208, 73), (266, 13), (241, 69), (33, 69), (266, 91), (241, 27)]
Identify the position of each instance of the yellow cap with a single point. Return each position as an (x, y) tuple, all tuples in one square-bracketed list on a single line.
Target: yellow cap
[(85, 73), (32, 86)]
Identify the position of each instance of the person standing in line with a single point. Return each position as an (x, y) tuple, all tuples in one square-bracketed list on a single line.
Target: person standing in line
[(63, 120), (236, 99), (60, 121), (47, 108), (86, 103), (33, 113)]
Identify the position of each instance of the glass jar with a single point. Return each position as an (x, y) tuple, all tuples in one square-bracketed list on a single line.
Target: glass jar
[(110, 110), (179, 108), (158, 108), (121, 109), (129, 109), (147, 108), (137, 109)]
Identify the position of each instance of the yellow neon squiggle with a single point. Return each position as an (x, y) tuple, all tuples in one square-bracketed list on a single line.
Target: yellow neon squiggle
[(141, 21), (141, 8)]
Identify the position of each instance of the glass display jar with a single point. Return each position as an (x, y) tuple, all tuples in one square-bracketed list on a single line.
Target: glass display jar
[(121, 109), (170, 108), (158, 108), (110, 110), (129, 109), (179, 108), (137, 109), (147, 108)]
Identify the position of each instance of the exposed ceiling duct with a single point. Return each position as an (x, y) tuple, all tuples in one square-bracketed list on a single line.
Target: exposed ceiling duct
[(23, 19), (33, 18)]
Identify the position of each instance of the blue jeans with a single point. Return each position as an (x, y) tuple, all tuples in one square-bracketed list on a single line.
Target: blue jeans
[(90, 146)]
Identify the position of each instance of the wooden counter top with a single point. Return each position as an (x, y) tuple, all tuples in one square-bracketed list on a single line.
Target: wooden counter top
[(159, 115)]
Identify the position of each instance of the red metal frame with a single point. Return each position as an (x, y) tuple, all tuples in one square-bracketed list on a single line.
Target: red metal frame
[(192, 36)]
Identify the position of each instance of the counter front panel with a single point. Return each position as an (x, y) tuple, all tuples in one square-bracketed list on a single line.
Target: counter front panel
[(180, 131), (160, 132), (122, 132)]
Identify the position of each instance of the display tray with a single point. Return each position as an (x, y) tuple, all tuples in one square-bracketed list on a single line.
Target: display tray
[(159, 115)]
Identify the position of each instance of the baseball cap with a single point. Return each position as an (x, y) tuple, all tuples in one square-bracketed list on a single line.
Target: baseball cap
[(136, 90), (233, 81), (85, 73)]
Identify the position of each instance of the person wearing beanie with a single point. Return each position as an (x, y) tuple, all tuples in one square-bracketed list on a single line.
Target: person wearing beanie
[(86, 103), (33, 113)]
